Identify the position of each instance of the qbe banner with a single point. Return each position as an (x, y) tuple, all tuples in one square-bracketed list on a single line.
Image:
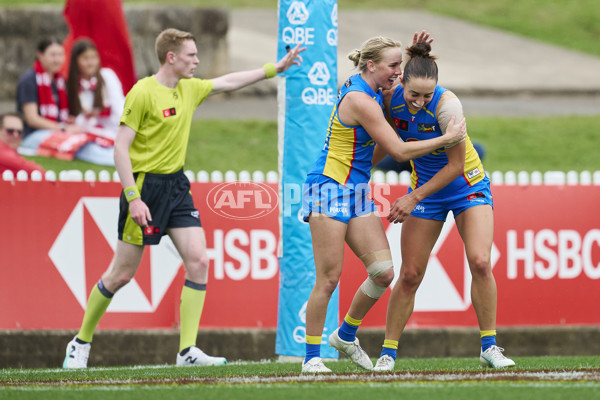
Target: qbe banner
[(306, 97)]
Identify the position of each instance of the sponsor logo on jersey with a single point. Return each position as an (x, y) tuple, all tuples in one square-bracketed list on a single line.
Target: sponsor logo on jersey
[(401, 124), (426, 128), (369, 143), (473, 173), (169, 112)]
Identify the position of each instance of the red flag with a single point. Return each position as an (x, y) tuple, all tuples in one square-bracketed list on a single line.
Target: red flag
[(102, 21)]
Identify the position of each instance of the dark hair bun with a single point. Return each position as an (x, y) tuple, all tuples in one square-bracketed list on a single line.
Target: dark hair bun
[(420, 49)]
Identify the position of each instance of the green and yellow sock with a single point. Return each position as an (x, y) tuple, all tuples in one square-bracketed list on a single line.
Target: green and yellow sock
[(190, 311), (97, 304)]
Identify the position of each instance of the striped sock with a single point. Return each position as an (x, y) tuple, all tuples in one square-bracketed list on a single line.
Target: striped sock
[(313, 347), (390, 347), (347, 331), (488, 339)]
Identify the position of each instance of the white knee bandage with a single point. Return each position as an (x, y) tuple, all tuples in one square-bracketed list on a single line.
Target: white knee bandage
[(377, 263)]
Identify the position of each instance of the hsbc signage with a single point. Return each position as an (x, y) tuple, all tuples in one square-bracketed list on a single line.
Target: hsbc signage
[(69, 254), (251, 254), (237, 254), (547, 254), (546, 269)]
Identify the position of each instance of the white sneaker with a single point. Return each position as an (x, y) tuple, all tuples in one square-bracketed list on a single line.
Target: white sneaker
[(314, 366), (494, 358), (351, 349), (77, 355), (385, 363), (196, 357)]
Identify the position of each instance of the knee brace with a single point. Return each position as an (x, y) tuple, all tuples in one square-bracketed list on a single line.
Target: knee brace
[(377, 262)]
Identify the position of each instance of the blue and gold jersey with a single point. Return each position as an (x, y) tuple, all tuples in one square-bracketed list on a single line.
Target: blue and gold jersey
[(422, 125), (348, 151)]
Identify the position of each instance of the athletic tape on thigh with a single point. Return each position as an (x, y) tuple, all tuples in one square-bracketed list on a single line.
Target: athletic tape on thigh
[(377, 262)]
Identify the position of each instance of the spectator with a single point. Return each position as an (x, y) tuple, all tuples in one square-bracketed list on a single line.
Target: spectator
[(43, 101), (44, 105), (11, 135), (95, 101)]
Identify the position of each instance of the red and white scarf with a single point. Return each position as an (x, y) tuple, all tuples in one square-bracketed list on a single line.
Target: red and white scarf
[(47, 103), (91, 85)]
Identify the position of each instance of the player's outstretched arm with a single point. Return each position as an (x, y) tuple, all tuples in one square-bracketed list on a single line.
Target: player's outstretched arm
[(237, 80)]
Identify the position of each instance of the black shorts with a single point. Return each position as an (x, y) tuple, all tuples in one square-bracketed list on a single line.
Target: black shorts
[(171, 205)]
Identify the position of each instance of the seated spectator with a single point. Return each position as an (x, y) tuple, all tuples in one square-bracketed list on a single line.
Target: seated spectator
[(42, 97), (43, 101), (95, 101), (11, 135)]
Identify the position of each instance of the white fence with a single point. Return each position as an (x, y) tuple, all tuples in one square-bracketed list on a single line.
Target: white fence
[(521, 178)]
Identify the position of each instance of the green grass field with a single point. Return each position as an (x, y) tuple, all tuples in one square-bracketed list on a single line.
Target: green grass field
[(512, 144), (447, 378)]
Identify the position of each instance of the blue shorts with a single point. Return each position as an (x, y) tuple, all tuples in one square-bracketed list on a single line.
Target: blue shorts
[(326, 196), (437, 208)]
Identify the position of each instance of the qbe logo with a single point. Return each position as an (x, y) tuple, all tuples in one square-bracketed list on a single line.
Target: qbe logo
[(332, 36), (242, 200), (318, 75), (297, 14)]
